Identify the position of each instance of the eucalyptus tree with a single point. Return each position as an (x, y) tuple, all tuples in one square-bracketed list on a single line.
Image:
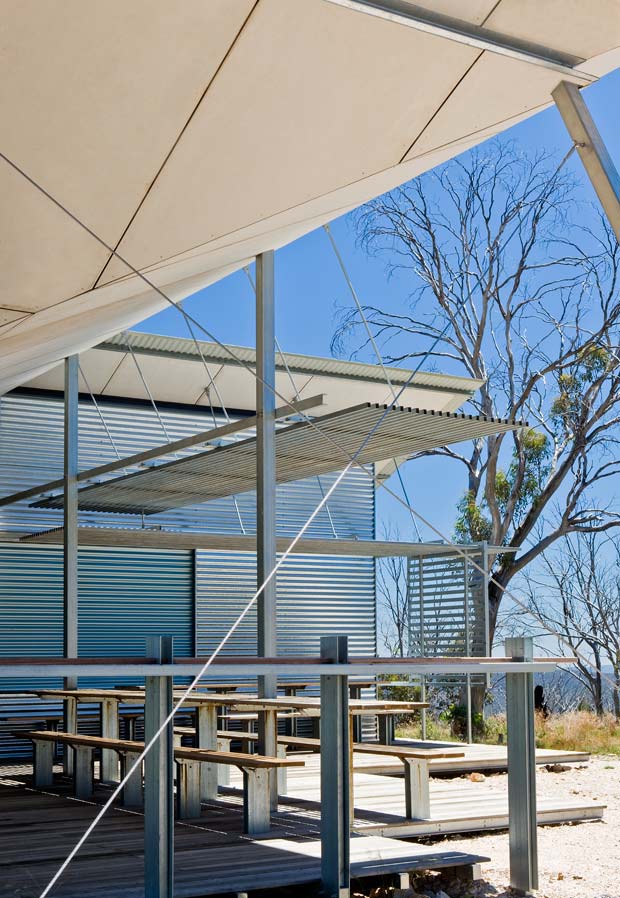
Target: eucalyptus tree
[(513, 280), (575, 591)]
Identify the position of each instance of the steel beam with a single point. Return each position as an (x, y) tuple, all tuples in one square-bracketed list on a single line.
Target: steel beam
[(521, 769), (158, 778), (18, 668), (591, 148), (266, 496), (480, 38), (335, 773)]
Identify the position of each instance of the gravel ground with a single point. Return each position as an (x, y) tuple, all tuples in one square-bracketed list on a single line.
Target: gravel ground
[(576, 860)]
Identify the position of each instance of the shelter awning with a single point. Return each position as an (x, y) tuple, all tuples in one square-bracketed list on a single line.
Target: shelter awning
[(192, 136), (302, 450)]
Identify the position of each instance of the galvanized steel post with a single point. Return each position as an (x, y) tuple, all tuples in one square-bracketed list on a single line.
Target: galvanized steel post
[(521, 769), (70, 543), (335, 773), (158, 778), (70, 512), (594, 155), (266, 495)]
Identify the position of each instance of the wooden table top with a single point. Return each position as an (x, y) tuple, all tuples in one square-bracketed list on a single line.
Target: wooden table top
[(236, 701)]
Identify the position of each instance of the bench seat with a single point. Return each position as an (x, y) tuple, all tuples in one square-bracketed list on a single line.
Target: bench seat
[(255, 769)]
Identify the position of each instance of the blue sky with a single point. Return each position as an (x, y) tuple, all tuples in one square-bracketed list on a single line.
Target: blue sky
[(310, 287)]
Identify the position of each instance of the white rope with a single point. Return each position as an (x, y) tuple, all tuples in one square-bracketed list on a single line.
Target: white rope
[(99, 412), (352, 462)]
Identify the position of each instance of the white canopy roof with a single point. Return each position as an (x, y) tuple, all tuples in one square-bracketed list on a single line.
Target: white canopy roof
[(191, 136)]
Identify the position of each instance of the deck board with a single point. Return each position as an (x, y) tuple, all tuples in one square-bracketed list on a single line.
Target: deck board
[(37, 830), (477, 757)]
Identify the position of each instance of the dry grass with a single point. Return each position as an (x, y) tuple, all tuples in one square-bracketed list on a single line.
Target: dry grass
[(579, 731), (573, 731)]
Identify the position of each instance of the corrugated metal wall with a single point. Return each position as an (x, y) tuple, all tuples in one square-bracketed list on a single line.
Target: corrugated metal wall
[(447, 607), (125, 594), (317, 596)]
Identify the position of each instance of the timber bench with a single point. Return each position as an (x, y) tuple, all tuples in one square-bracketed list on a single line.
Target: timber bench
[(415, 761), (44, 742), (256, 793), (255, 769), (416, 764)]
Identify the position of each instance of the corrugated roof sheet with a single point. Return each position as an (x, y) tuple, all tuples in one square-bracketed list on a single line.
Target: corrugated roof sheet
[(180, 347)]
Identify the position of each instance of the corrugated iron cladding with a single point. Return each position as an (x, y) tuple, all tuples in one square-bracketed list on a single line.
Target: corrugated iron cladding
[(302, 451), (125, 594), (317, 596), (185, 348)]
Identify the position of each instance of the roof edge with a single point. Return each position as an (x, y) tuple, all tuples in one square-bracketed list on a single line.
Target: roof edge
[(185, 348)]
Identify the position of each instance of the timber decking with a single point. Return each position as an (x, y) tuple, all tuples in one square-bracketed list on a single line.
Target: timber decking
[(477, 757), (37, 830), (457, 806)]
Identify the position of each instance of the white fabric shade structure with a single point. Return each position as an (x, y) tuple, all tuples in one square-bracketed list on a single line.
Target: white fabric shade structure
[(366, 433), (192, 136)]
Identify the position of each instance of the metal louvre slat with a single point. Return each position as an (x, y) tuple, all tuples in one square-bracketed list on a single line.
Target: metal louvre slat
[(31, 446), (302, 451), (447, 609)]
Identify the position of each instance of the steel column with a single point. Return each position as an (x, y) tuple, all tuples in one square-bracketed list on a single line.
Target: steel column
[(521, 769), (266, 496), (158, 778), (591, 148), (70, 542), (335, 774)]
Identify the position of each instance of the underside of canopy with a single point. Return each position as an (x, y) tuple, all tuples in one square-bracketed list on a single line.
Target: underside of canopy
[(191, 136), (369, 433)]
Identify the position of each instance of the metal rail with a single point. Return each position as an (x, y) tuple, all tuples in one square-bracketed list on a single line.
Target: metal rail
[(251, 667), (478, 37)]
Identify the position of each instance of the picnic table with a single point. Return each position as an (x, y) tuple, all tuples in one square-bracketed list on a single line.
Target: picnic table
[(208, 706)]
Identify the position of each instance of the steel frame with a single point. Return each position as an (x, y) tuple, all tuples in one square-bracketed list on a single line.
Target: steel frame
[(522, 819), (70, 545), (205, 436), (159, 778), (335, 773), (592, 151), (478, 37), (266, 556), (19, 668)]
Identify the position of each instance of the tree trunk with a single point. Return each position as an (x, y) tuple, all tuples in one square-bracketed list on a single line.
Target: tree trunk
[(494, 597)]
